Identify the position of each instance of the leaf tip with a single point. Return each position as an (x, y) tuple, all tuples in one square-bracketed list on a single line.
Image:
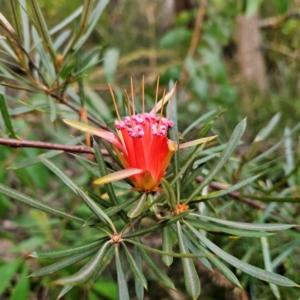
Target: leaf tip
[(33, 254)]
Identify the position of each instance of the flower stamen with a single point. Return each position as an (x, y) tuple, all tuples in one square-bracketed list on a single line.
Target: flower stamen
[(119, 123), (171, 101), (156, 94), (132, 96), (143, 96)]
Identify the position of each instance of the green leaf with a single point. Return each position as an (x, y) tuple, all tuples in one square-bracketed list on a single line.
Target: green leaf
[(170, 194), (157, 271), (225, 155), (35, 160), (25, 25), (93, 20), (282, 6), (227, 191), (110, 63), (285, 253), (193, 248), (21, 289), (202, 118), (138, 207), (15, 9), (37, 204), (245, 267), (88, 269), (41, 26), (53, 109), (268, 264), (123, 293), (58, 253), (88, 201), (64, 178), (276, 146), (173, 254), (64, 263), (173, 134), (105, 262), (175, 37), (167, 245), (237, 232), (115, 209), (135, 268), (220, 265), (191, 278), (6, 116), (156, 227), (86, 11), (66, 21), (252, 6), (7, 272), (139, 289), (65, 290), (273, 198), (103, 171), (248, 226)]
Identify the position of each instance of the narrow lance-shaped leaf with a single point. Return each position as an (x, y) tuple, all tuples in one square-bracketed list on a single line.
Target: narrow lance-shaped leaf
[(225, 155), (21, 288), (6, 116), (197, 142), (42, 29), (138, 207), (245, 267), (218, 263), (167, 245), (58, 253), (170, 194), (155, 227), (173, 133), (64, 263), (173, 254), (37, 204), (202, 118), (139, 289), (65, 290), (157, 271), (88, 269), (88, 201), (219, 228), (103, 171), (248, 226), (134, 267), (123, 293), (15, 9), (93, 20), (8, 271), (86, 11), (191, 278), (268, 264), (105, 262), (53, 109), (229, 190)]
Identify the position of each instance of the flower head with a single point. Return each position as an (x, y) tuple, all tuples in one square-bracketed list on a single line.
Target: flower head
[(141, 142)]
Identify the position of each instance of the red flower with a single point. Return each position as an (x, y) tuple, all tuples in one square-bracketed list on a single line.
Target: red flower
[(141, 144)]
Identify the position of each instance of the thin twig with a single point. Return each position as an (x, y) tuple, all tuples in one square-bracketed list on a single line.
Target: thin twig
[(195, 38), (45, 145)]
